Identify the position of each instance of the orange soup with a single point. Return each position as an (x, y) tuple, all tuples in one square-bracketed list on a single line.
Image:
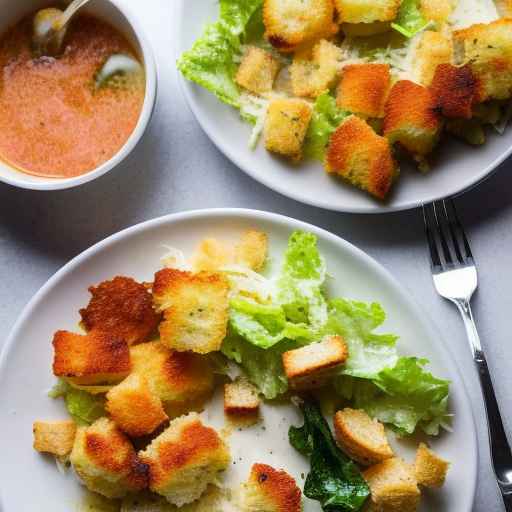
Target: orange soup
[(55, 120)]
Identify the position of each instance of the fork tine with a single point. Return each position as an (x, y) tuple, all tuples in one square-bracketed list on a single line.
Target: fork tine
[(435, 260), (453, 232), (442, 237), (458, 225)]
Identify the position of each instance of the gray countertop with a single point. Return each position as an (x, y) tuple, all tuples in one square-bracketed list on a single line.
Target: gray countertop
[(177, 168)]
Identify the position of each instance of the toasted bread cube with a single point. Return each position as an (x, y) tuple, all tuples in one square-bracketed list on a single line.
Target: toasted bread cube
[(362, 157), (252, 250), (195, 308), (437, 10), (309, 366), (134, 407), (393, 486), (312, 76), (55, 437), (433, 48), (185, 459), (367, 11), (286, 126), (257, 71), (106, 462), (487, 49), (122, 307), (361, 437), (241, 398), (364, 88), (411, 118), (211, 255), (94, 358), (429, 468), (172, 376), (269, 490), (297, 22)]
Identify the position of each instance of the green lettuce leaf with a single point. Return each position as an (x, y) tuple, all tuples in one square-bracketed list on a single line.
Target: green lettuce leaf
[(409, 21), (84, 407)]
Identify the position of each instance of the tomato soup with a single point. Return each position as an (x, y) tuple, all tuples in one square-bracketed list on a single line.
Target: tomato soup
[(55, 120)]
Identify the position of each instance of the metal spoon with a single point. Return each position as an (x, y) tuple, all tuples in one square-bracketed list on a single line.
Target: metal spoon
[(49, 28)]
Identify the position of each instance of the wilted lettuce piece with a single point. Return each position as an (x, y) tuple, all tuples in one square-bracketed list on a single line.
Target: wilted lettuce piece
[(409, 21), (59, 389), (84, 407), (469, 130)]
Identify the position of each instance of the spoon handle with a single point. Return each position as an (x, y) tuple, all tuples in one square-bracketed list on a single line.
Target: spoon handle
[(70, 11)]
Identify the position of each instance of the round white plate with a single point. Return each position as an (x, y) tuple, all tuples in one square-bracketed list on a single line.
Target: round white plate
[(30, 481), (456, 168)]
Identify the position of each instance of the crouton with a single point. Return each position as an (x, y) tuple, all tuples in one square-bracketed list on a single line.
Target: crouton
[(106, 461), (185, 459), (297, 22), (361, 437), (393, 486), (195, 308), (437, 10), (429, 468), (269, 490), (94, 358), (362, 157), (487, 49), (257, 71), (367, 11), (211, 255), (309, 366), (286, 126), (172, 376), (241, 398), (411, 118), (364, 88), (55, 437), (134, 407), (121, 307), (312, 76), (252, 250), (433, 48), (455, 90)]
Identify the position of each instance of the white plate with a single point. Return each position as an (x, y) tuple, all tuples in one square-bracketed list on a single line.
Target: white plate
[(30, 481), (457, 167)]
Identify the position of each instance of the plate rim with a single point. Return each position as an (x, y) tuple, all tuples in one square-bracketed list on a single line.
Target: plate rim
[(254, 215)]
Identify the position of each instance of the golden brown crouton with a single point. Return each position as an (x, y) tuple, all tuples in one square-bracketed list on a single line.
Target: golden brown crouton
[(316, 74), (430, 470), (297, 22), (195, 308), (393, 486), (437, 10), (94, 358), (211, 255), (134, 407), (309, 366), (121, 307), (252, 250), (367, 11), (455, 90), (55, 437), (173, 376), (106, 462), (362, 157), (364, 88), (286, 126), (269, 490), (185, 459), (257, 70), (361, 437), (411, 117), (487, 49), (433, 48), (241, 398)]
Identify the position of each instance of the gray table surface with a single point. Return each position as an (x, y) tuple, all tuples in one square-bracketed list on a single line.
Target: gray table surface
[(177, 168)]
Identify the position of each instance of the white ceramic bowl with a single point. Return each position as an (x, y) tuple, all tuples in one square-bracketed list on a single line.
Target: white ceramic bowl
[(113, 12)]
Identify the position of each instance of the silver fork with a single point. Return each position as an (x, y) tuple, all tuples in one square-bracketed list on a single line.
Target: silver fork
[(455, 279)]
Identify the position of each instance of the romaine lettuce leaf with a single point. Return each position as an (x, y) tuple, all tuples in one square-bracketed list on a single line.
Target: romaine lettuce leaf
[(410, 20)]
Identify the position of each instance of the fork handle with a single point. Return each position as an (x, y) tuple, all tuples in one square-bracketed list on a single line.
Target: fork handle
[(501, 453)]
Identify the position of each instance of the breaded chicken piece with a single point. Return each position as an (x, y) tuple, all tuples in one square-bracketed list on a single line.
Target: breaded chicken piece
[(293, 23), (286, 125), (315, 74), (172, 376), (185, 459), (364, 88), (437, 10), (106, 462), (429, 468), (361, 437), (269, 490), (257, 71), (433, 48), (252, 250), (362, 157), (93, 358), (367, 11), (241, 398), (55, 437), (134, 407), (487, 49), (195, 308), (455, 90), (122, 307)]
